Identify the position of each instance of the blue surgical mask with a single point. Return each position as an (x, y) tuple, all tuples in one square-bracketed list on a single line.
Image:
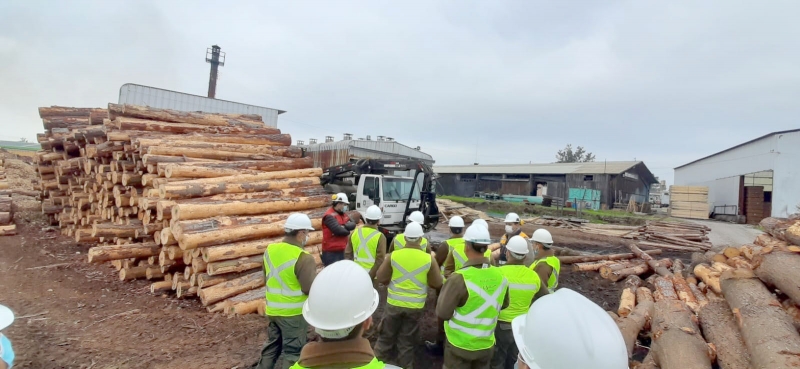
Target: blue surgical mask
[(345, 208), (6, 352)]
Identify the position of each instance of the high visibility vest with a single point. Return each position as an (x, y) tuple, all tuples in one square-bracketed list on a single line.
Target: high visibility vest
[(523, 284), (555, 264), (374, 364), (472, 326), (284, 296), (400, 241), (457, 246), (503, 240), (365, 245), (409, 285)]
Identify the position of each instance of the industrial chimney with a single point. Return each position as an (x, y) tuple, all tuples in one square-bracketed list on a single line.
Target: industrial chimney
[(312, 141), (348, 136), (328, 138), (216, 58)]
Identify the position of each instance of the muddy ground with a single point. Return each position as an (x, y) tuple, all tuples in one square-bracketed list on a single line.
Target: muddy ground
[(75, 315)]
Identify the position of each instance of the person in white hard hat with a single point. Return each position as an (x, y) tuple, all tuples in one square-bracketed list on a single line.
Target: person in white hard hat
[(576, 333), (6, 351), (399, 241), (289, 272), (524, 287), (367, 245), (340, 307), (481, 222), (513, 227), (546, 264), (470, 304), (408, 275), (336, 227)]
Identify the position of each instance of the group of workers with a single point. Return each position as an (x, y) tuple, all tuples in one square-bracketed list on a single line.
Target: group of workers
[(485, 306)]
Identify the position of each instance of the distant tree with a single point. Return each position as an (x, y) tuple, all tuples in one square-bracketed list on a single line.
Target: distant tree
[(578, 155), (23, 139)]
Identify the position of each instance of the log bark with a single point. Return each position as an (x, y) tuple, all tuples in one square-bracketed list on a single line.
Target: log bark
[(226, 152), (719, 328), (593, 258), (781, 270), (709, 276), (134, 124), (766, 329), (667, 246), (204, 280), (261, 176), (5, 218), (192, 234), (677, 343), (243, 308), (115, 252), (664, 289), (275, 194), (766, 240), (154, 273), (266, 139), (616, 275), (127, 274), (256, 294), (114, 230), (631, 325), (230, 288), (64, 111), (591, 266), (161, 287), (181, 190), (235, 265), (214, 170), (148, 159), (626, 302), (247, 207), (248, 248), (659, 269), (175, 116), (751, 251), (787, 230), (684, 292)]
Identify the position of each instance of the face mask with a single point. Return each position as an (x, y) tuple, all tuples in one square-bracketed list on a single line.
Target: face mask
[(509, 229), (6, 352), (304, 241), (345, 208)]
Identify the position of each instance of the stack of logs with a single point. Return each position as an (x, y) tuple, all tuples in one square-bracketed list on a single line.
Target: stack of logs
[(736, 310), (189, 201), (7, 226)]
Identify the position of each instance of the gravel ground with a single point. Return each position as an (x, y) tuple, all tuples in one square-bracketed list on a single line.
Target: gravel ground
[(728, 234)]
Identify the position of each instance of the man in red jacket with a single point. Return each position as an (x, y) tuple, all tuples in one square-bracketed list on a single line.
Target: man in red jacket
[(336, 227)]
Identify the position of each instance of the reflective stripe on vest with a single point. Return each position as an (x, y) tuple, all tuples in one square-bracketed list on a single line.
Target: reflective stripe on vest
[(555, 265), (374, 364), (472, 326), (409, 285), (284, 296), (523, 284), (457, 248), (365, 247), (399, 242)]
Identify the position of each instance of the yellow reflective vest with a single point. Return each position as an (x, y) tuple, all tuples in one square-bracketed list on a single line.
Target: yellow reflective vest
[(457, 246), (364, 241), (399, 242), (284, 296), (409, 285), (472, 326), (555, 264), (523, 284)]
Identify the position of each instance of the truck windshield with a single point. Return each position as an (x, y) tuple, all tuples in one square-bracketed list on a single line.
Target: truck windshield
[(397, 189)]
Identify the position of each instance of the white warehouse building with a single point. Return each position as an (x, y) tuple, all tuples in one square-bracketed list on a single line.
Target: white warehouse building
[(756, 179)]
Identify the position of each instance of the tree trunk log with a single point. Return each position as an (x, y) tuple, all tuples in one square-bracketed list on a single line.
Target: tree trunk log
[(593, 258), (783, 229), (275, 194), (134, 124), (628, 299), (677, 343), (247, 207), (664, 289), (192, 234), (204, 280), (768, 241), (8, 230), (230, 288), (782, 270), (148, 159), (659, 269), (667, 246), (720, 329), (616, 275), (275, 154), (244, 308), (260, 176), (161, 287), (709, 276), (5, 218), (180, 190), (256, 294), (63, 111), (213, 170), (114, 230), (128, 274), (167, 239), (766, 329), (631, 325), (684, 292), (590, 266), (175, 116), (248, 248), (115, 252), (235, 265), (154, 273)]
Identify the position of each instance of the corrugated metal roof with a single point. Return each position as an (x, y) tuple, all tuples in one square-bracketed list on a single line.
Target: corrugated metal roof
[(739, 145), (612, 167), (388, 147)]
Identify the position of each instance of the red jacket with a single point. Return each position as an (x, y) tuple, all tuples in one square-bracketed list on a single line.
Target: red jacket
[(330, 241)]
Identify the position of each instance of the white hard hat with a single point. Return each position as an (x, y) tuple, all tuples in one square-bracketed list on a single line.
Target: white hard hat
[(373, 213), (456, 222), (512, 218), (480, 222), (564, 330), (477, 234), (6, 317), (340, 197), (517, 245), (298, 221), (542, 236), (416, 217), (414, 230), (335, 311)]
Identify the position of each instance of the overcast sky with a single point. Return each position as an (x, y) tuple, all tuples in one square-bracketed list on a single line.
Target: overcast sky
[(513, 81)]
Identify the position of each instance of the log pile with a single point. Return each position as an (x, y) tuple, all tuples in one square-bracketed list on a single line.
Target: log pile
[(736, 309), (189, 201), (450, 208), (7, 226)]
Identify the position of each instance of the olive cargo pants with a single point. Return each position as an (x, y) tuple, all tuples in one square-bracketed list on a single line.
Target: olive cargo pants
[(505, 348), (400, 327), (286, 335)]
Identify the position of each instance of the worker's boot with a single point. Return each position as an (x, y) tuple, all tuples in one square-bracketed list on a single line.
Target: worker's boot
[(434, 348)]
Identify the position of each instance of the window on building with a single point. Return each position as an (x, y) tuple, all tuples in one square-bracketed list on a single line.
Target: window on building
[(588, 178)]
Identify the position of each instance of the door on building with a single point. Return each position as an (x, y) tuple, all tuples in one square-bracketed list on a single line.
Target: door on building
[(754, 204), (757, 196)]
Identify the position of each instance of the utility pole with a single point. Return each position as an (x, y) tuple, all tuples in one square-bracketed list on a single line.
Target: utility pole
[(216, 58)]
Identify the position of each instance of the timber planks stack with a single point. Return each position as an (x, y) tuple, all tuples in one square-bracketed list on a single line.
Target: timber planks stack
[(742, 302), (7, 226), (688, 202), (189, 201)]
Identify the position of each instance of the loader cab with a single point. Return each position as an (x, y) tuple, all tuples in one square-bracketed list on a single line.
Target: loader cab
[(390, 193)]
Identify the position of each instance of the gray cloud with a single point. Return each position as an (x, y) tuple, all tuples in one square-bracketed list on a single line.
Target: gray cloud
[(517, 80)]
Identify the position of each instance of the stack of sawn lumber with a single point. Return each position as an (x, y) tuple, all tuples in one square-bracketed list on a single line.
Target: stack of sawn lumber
[(736, 310), (688, 202), (187, 200), (7, 226)]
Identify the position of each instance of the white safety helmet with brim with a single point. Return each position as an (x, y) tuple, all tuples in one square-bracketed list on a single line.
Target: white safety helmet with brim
[(6, 317), (512, 218), (416, 216), (373, 213), (298, 221), (478, 235), (456, 222), (565, 330), (333, 310), (480, 222), (517, 245), (340, 197), (542, 236), (413, 230)]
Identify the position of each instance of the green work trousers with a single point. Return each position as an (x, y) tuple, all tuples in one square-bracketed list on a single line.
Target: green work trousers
[(505, 349), (286, 336), (456, 358), (400, 329)]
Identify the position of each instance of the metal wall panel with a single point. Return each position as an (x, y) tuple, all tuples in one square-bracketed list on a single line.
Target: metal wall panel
[(135, 94), (340, 152)]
